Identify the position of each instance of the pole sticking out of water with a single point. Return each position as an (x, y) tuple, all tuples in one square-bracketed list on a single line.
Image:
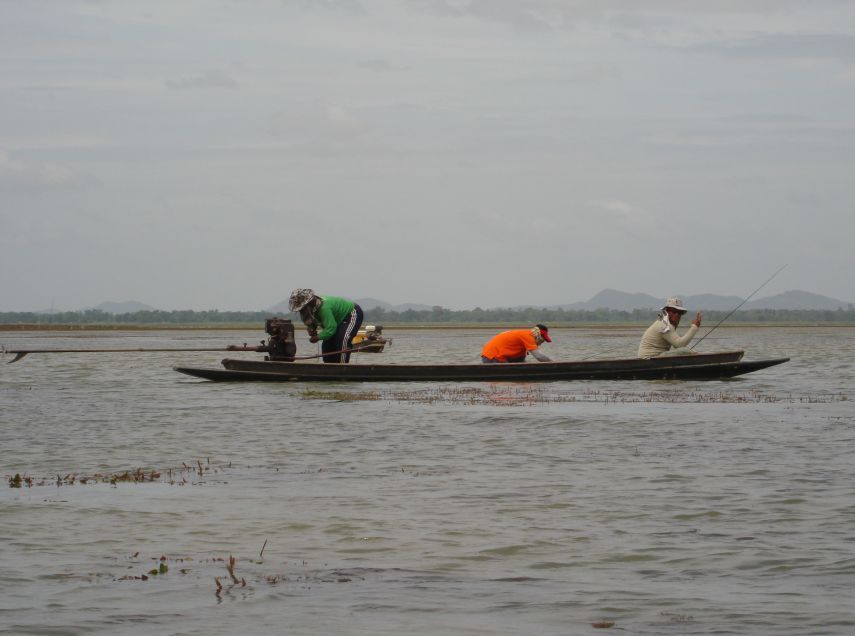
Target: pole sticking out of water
[(732, 311), (20, 353)]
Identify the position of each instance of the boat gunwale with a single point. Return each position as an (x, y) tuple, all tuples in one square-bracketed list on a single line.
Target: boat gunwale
[(711, 371), (278, 366)]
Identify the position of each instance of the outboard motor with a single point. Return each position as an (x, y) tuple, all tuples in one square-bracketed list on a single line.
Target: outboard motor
[(281, 344)]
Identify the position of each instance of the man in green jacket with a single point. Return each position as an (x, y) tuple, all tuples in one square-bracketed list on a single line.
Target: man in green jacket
[(332, 320)]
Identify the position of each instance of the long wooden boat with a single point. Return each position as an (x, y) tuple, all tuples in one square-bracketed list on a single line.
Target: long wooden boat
[(705, 366)]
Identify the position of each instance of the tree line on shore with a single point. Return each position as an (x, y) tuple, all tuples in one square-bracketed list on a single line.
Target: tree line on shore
[(436, 315)]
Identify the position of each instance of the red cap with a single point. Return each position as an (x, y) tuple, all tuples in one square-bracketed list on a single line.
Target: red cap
[(544, 332)]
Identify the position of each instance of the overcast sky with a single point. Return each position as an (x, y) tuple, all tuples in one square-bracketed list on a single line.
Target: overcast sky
[(460, 153)]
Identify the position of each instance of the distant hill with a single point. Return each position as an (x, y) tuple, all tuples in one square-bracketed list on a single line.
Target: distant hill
[(624, 301), (606, 299), (126, 307), (614, 299), (711, 302), (365, 303), (373, 303), (797, 299)]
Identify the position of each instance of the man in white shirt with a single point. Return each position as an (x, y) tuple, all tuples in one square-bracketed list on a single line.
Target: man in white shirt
[(661, 337)]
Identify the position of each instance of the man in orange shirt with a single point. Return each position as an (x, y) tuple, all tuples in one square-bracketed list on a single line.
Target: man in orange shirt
[(511, 346)]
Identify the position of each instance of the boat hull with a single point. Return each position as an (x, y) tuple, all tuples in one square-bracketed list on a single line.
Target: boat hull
[(368, 346), (700, 367)]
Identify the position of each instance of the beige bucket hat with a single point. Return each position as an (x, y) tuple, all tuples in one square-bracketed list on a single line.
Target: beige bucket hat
[(675, 303)]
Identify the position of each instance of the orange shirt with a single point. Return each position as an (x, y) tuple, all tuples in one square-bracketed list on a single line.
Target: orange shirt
[(509, 344)]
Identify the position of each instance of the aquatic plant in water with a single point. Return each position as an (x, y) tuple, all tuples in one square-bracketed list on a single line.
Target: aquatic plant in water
[(529, 396)]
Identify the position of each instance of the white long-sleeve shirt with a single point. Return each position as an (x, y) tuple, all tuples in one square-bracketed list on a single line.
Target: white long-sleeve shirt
[(661, 336)]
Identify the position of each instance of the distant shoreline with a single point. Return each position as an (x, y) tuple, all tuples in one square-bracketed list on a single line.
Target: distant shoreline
[(396, 326)]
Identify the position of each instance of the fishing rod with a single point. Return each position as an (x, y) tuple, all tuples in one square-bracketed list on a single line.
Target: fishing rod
[(20, 353), (732, 311)]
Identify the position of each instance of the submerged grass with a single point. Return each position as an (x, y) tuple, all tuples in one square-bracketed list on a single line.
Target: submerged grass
[(527, 396), (187, 474)]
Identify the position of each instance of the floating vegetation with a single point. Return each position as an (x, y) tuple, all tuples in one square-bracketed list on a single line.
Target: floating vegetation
[(161, 569), (17, 481), (531, 395), (677, 618), (342, 396), (191, 474), (232, 585), (230, 568)]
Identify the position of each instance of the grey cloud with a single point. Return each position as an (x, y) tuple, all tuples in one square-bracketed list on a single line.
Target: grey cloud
[(351, 7), (786, 46), (321, 124), (767, 119), (669, 20), (382, 66), (209, 79), (18, 173), (525, 16)]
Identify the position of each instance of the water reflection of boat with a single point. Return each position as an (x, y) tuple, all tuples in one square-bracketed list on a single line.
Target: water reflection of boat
[(369, 339), (709, 366)]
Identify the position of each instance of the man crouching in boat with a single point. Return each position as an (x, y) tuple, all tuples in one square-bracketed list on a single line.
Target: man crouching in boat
[(661, 337), (332, 320), (511, 346)]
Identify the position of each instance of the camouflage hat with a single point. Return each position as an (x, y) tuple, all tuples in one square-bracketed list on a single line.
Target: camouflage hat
[(300, 298), (675, 304)]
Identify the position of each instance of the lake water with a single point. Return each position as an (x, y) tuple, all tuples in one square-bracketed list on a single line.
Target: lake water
[(506, 508)]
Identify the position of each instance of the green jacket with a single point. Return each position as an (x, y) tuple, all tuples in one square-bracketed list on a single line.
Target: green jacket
[(332, 312)]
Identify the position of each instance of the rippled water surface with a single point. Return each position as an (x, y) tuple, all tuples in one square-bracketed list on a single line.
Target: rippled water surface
[(505, 508)]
